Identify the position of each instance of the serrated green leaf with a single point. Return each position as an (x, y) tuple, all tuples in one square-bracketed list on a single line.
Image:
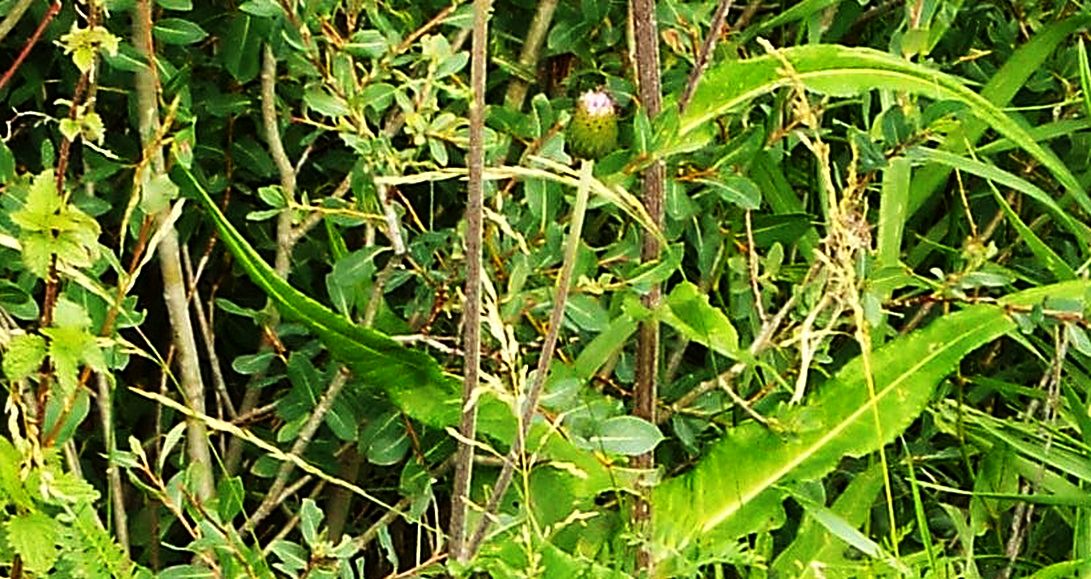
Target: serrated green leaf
[(48, 228), (34, 537), (68, 313), (719, 501), (69, 348), (24, 356), (11, 481), (70, 489)]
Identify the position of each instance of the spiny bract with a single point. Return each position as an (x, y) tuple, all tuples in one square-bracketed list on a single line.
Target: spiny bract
[(593, 130)]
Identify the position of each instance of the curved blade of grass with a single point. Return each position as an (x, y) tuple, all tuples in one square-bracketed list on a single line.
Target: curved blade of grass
[(999, 91), (735, 490), (998, 175), (813, 544), (414, 381), (845, 71), (1046, 256), (1050, 452), (372, 355), (1040, 133), (1085, 78)]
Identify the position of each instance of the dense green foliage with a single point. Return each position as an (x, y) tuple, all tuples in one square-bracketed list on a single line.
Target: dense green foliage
[(233, 278)]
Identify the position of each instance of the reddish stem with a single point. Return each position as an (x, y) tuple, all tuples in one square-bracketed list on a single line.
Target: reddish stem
[(54, 8)]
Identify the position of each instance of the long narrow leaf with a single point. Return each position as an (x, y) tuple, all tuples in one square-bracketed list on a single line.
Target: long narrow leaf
[(1000, 89), (844, 71), (1007, 179), (412, 379), (735, 490)]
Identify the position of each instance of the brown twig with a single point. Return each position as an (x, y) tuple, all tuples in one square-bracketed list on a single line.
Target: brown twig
[(285, 233), (709, 44), (54, 8), (646, 40), (471, 318), (208, 335), (530, 403), (149, 123), (532, 47), (306, 433), (748, 14)]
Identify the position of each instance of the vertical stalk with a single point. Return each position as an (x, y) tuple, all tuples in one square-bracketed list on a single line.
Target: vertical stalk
[(556, 319), (113, 471), (719, 18), (528, 57), (286, 234), (170, 260), (646, 39), (471, 316)]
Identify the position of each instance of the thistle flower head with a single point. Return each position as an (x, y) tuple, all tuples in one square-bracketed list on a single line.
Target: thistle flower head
[(597, 102), (593, 130)]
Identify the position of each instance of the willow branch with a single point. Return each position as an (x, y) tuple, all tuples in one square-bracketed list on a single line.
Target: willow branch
[(471, 317), (285, 234), (306, 434), (709, 45), (532, 47), (530, 404), (170, 261)]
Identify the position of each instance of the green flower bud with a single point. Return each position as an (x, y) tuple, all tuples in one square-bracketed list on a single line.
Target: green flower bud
[(593, 130)]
